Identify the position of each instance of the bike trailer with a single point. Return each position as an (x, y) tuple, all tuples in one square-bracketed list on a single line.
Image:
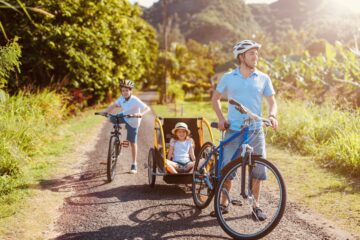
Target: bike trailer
[(162, 135)]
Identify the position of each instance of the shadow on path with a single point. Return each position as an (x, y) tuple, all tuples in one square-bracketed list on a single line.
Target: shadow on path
[(164, 221)]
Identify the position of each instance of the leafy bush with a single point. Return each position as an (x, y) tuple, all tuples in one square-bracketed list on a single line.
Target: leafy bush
[(89, 45), (9, 61)]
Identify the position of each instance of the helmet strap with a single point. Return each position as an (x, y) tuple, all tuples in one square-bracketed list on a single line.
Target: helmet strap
[(128, 98)]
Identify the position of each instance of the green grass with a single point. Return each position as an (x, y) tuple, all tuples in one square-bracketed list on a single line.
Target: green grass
[(27, 123), (333, 195), (33, 130), (32, 207), (331, 136)]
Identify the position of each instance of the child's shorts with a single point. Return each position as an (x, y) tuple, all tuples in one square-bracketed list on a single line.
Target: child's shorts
[(182, 164), (132, 132)]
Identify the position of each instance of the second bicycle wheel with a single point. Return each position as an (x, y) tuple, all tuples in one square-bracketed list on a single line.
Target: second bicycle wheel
[(113, 154), (202, 194), (151, 167), (235, 210)]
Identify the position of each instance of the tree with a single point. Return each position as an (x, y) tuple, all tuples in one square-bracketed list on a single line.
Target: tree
[(88, 45)]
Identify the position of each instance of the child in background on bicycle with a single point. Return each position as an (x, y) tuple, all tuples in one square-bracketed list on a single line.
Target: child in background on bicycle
[(181, 150), (130, 104)]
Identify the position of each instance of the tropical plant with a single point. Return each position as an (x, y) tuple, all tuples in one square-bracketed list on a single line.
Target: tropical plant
[(324, 72), (191, 65), (9, 61)]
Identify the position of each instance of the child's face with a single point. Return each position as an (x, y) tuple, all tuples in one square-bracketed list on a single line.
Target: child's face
[(181, 134), (126, 92)]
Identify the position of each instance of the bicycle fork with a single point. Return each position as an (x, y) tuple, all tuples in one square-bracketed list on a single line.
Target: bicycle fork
[(246, 162)]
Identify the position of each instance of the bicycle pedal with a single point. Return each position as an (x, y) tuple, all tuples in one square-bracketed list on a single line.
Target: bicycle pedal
[(125, 144)]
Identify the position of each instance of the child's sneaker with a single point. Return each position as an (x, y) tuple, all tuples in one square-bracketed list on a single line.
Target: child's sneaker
[(133, 169)]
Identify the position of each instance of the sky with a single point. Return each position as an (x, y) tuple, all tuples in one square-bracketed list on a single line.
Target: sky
[(148, 3), (354, 5)]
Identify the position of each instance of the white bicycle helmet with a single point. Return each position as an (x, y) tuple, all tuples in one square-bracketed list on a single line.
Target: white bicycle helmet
[(127, 83), (243, 46)]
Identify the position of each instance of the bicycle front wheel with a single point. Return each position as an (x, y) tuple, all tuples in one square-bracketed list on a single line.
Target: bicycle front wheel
[(113, 154), (235, 210)]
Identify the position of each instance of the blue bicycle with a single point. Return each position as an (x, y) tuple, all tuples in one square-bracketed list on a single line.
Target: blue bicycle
[(236, 197)]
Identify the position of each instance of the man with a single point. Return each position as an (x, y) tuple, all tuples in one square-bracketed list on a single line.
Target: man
[(130, 104), (248, 86)]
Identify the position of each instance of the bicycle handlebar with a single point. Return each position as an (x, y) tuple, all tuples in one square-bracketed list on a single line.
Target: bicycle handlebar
[(216, 125), (242, 109), (113, 115)]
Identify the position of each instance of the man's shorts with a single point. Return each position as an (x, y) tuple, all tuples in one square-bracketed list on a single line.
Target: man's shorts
[(132, 132), (257, 141)]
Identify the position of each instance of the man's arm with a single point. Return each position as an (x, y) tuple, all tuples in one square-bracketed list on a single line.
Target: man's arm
[(272, 111), (217, 108)]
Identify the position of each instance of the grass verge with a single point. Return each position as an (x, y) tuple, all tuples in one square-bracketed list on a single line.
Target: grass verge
[(31, 208)]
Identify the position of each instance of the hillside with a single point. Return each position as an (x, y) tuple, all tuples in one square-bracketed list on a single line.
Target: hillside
[(324, 18), (205, 20), (224, 20)]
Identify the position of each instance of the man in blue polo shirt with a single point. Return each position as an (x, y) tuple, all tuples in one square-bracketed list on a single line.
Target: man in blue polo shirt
[(248, 86)]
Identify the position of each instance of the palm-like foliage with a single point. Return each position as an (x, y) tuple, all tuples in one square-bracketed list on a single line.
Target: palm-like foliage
[(21, 8)]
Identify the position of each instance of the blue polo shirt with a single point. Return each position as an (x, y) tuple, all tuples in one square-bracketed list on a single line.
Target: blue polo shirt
[(247, 91)]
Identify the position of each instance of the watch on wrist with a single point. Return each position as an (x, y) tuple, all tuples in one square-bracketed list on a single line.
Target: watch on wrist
[(272, 115)]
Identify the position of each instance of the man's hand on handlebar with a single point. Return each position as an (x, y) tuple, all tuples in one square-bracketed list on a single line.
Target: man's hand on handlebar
[(274, 122), (223, 125)]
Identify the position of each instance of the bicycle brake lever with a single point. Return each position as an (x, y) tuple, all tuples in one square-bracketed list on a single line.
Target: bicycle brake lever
[(102, 114), (238, 106)]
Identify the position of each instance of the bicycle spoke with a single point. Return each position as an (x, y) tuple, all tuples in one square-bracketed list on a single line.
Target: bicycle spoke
[(241, 220)]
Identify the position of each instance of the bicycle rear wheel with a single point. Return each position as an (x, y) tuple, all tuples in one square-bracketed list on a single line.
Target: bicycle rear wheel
[(239, 221), (113, 154), (151, 167), (202, 194)]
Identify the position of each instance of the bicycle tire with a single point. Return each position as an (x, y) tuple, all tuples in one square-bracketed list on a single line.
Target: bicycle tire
[(151, 168), (201, 193), (113, 154), (236, 221)]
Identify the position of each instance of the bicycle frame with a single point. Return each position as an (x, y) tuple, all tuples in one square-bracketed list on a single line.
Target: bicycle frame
[(220, 150), (116, 131)]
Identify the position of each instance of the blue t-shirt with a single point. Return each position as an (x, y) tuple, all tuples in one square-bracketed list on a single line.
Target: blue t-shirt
[(247, 91)]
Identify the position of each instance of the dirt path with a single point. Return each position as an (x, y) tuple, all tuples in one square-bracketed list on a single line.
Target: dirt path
[(129, 209)]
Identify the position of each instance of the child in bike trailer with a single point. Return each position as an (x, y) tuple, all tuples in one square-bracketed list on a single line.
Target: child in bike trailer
[(181, 150), (129, 104)]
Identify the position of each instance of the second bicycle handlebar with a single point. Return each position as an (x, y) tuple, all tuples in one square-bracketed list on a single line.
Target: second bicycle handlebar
[(114, 115)]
